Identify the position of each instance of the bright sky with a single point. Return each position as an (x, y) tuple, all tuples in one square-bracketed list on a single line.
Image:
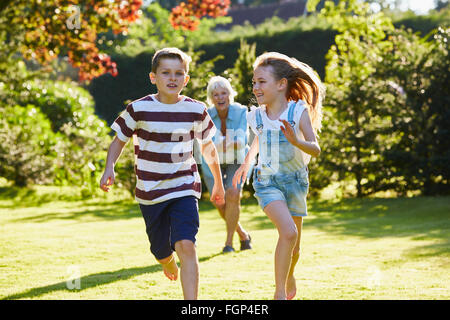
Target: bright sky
[(419, 6)]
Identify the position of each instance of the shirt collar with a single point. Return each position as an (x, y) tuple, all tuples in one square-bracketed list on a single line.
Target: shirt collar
[(214, 114)]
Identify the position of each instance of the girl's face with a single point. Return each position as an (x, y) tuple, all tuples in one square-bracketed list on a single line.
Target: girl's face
[(221, 98), (265, 87)]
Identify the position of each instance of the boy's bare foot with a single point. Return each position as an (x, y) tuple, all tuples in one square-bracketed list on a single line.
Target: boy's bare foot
[(291, 287), (170, 268)]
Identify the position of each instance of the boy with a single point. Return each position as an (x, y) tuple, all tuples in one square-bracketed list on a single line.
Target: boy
[(163, 126)]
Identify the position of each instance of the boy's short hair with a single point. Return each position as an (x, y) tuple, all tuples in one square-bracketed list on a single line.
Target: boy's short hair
[(170, 53), (219, 82)]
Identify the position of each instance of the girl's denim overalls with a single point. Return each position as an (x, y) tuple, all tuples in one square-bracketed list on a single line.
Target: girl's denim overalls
[(280, 174)]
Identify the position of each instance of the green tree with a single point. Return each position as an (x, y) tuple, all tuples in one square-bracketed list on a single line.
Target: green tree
[(61, 142), (200, 73), (357, 123), (418, 70), (27, 145), (241, 74), (386, 108), (81, 151)]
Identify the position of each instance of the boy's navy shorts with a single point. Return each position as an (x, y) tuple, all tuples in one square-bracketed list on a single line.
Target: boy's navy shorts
[(170, 221)]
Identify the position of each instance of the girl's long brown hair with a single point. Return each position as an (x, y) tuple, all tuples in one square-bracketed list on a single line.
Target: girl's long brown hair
[(303, 82)]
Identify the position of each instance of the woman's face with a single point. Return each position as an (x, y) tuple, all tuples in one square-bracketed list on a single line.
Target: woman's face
[(221, 98)]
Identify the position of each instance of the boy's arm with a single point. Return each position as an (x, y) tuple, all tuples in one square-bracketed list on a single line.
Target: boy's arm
[(114, 151), (209, 152)]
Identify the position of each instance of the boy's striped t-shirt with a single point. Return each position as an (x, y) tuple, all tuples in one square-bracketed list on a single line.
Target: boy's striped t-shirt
[(163, 136)]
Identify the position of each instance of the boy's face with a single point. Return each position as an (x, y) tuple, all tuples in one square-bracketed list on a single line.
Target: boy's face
[(170, 77)]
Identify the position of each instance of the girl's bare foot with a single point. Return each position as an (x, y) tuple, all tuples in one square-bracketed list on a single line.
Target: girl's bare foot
[(170, 267), (291, 287), (279, 296)]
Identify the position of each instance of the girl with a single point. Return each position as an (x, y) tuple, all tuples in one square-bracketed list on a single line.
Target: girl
[(290, 95)]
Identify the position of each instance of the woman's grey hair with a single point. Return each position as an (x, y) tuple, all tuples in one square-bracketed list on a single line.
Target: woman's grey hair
[(219, 82)]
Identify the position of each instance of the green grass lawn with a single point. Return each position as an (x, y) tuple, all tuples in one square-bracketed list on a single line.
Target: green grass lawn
[(351, 249)]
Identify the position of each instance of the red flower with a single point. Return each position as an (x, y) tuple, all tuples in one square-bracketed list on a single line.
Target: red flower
[(186, 16)]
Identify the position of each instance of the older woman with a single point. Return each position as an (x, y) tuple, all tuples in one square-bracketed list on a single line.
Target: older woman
[(232, 146)]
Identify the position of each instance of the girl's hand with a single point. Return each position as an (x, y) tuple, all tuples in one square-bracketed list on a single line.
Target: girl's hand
[(240, 175), (289, 132)]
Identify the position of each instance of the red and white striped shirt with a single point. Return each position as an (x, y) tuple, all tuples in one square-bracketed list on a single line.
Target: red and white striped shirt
[(163, 136)]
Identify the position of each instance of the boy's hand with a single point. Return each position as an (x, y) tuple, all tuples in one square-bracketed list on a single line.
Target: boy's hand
[(289, 132), (218, 195), (107, 180), (240, 175)]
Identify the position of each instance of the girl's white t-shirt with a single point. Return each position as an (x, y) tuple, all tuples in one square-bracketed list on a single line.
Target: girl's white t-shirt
[(276, 124)]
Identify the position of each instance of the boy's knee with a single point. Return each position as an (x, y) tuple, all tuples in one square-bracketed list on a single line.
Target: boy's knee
[(185, 248), (165, 260)]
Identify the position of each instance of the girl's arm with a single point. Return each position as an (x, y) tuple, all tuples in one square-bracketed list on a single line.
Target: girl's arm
[(310, 144), (114, 151), (242, 172)]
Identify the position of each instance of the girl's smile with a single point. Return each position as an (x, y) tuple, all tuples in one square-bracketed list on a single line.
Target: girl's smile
[(265, 86), (269, 91)]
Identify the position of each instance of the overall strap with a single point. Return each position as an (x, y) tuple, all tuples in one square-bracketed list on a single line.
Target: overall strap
[(292, 105), (259, 122)]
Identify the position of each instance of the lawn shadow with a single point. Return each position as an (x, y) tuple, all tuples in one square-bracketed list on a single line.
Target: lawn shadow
[(377, 217), (86, 282), (94, 280), (13, 192), (88, 209), (422, 218), (22, 197), (109, 211), (206, 258)]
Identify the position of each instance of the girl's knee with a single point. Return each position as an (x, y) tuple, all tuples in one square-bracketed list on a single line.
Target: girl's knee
[(290, 234)]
